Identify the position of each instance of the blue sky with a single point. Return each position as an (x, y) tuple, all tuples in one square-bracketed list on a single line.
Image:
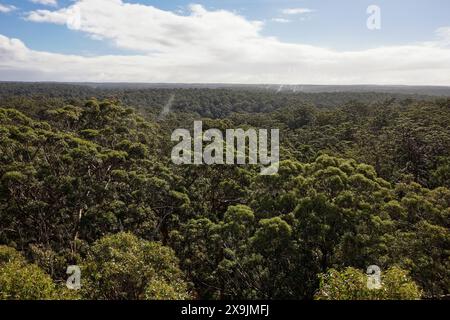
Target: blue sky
[(333, 25)]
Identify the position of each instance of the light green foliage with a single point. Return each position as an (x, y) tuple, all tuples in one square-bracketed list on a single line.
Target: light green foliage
[(122, 266), (25, 282), (20, 280), (351, 284)]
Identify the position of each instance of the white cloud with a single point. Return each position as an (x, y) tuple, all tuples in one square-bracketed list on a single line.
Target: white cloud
[(281, 20), (46, 2), (293, 11), (4, 8), (444, 35), (209, 46), (148, 29)]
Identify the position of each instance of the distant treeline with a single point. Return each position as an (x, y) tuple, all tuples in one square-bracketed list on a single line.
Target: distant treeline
[(209, 100)]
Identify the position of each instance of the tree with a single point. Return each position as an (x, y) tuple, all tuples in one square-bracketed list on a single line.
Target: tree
[(121, 266), (20, 280), (351, 284)]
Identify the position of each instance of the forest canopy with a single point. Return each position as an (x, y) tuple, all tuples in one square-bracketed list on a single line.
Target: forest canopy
[(86, 179)]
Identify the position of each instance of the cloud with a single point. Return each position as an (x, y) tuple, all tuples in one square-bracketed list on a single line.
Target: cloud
[(294, 11), (209, 46), (443, 34), (4, 8), (281, 20), (148, 29), (46, 2)]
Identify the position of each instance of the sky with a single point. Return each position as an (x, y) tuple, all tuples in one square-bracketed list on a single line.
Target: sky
[(226, 41)]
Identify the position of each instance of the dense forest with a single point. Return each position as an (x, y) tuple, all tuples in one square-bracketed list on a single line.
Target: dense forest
[(86, 179)]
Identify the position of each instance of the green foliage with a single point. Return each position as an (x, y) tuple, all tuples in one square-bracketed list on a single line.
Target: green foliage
[(363, 180), (20, 280), (25, 282), (122, 266), (351, 284), (10, 255)]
